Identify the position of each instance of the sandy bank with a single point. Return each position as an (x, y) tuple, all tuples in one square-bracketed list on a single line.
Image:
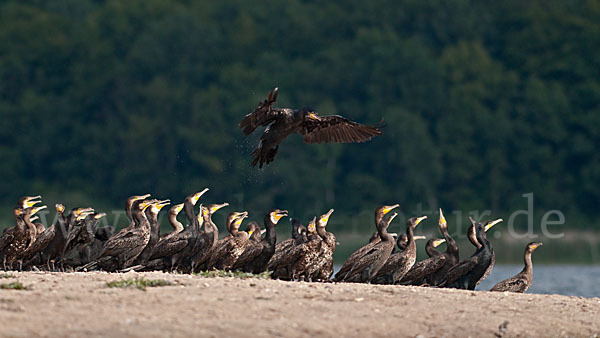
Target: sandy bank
[(77, 304)]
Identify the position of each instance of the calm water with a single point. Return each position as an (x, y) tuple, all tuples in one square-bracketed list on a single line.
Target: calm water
[(568, 280)]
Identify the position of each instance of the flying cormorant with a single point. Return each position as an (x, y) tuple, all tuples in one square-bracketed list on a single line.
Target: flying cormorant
[(282, 122)]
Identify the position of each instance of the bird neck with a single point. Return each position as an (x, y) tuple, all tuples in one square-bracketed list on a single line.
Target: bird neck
[(177, 226), (32, 228), (430, 250), (153, 221), (140, 220), (295, 227), (528, 268), (451, 247), (410, 243), (383, 234), (21, 225)]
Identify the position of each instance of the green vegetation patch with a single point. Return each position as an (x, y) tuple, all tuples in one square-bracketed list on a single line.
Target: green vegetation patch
[(139, 283), (13, 286), (235, 274), (7, 275)]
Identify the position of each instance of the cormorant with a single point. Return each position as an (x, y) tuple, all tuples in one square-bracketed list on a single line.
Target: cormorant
[(48, 242), (152, 217), (207, 240), (522, 281), (402, 241), (379, 213), (226, 255), (282, 122), (399, 263), (303, 256), (322, 268), (254, 227), (122, 249), (257, 255), (85, 246), (468, 273), (177, 226), (168, 253), (366, 267), (418, 274), (451, 254), (473, 239), (16, 239), (284, 247)]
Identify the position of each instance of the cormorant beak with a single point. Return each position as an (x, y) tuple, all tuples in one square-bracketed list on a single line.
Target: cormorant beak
[(197, 196), (393, 216), (325, 218), (419, 237), (34, 218), (60, 207), (83, 215), (313, 116), (250, 232), (491, 224), (217, 207), (145, 204), (263, 231), (140, 197), (36, 210), (536, 245), (442, 223), (311, 224), (31, 201), (396, 235), (277, 215), (420, 219), (100, 215), (162, 204), (389, 208), (438, 242)]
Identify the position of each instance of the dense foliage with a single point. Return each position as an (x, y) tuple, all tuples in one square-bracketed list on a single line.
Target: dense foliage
[(483, 100)]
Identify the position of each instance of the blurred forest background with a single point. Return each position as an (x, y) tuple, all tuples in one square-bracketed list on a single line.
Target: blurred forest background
[(484, 101)]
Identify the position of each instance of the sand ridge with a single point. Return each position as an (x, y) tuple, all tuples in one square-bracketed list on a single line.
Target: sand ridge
[(77, 304)]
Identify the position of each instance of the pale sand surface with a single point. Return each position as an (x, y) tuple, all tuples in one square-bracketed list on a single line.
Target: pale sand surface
[(80, 304)]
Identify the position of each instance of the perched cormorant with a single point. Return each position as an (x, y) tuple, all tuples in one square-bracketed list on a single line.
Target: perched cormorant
[(379, 213), (169, 252), (122, 249), (468, 273), (366, 267), (322, 267), (421, 270), (257, 255), (451, 254), (177, 226), (152, 217), (226, 255), (282, 122), (207, 240), (284, 247), (473, 239), (85, 246), (48, 242), (303, 256), (522, 281), (254, 228), (399, 263), (16, 239)]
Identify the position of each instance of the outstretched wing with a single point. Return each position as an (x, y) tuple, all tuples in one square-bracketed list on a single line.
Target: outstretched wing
[(262, 115), (336, 129)]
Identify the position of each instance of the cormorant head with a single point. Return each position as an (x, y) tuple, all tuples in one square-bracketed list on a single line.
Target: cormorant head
[(437, 242), (195, 197), (383, 210), (324, 219), (99, 215), (308, 113), (414, 221), (311, 225), (212, 208), (533, 245), (60, 208), (134, 198), (83, 213), (28, 201), (156, 205), (387, 220), (35, 210), (442, 223), (238, 219), (176, 209), (489, 224), (275, 215)]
